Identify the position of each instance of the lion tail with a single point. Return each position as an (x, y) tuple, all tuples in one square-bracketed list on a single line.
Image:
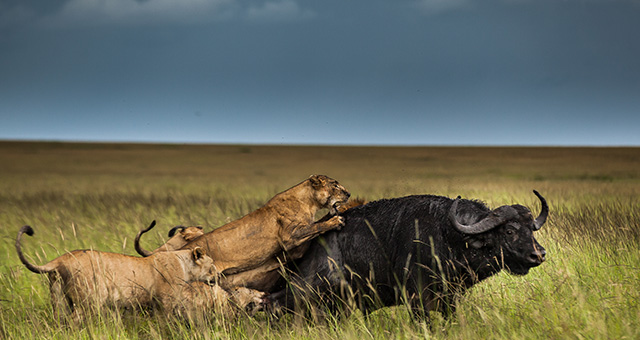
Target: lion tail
[(32, 267), (175, 229), (136, 242)]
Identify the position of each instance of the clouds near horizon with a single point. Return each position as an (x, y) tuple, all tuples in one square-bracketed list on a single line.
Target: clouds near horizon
[(66, 13), (74, 13)]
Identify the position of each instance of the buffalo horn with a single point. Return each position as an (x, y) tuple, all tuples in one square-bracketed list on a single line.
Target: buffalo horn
[(544, 212), (494, 219)]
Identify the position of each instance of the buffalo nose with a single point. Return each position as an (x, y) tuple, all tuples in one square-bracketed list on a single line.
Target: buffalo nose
[(538, 256)]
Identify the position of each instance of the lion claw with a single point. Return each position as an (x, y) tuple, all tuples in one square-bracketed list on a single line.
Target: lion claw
[(338, 221)]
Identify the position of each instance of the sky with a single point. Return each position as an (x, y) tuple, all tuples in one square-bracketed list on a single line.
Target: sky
[(330, 72)]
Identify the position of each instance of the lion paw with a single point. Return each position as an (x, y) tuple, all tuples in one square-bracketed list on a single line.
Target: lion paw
[(337, 222)]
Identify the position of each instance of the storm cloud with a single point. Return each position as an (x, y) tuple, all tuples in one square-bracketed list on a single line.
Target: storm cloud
[(330, 72)]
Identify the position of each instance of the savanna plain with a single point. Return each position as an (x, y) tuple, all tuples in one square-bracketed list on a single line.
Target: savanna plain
[(81, 196)]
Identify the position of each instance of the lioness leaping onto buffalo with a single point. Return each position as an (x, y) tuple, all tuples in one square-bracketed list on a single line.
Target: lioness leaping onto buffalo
[(249, 251)]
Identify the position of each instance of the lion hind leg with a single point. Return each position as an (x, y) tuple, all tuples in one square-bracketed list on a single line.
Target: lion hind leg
[(61, 303)]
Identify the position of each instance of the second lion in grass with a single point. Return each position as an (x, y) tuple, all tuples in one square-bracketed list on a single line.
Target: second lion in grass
[(86, 281)]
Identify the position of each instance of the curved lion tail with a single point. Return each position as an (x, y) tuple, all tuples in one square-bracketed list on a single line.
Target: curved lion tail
[(136, 242), (175, 229), (32, 267)]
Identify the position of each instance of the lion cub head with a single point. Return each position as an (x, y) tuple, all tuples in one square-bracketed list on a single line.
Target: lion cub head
[(202, 267), (249, 300), (328, 192)]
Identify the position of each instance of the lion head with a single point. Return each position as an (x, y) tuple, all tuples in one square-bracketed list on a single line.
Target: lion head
[(328, 192), (202, 267), (249, 300)]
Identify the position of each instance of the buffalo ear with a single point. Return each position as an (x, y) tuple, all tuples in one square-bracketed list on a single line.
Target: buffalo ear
[(197, 253), (475, 242)]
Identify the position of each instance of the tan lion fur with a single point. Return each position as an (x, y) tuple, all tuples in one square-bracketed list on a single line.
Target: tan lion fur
[(178, 237), (83, 281), (249, 251), (198, 300), (352, 203)]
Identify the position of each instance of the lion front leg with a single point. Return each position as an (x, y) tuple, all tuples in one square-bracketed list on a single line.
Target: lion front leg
[(304, 233)]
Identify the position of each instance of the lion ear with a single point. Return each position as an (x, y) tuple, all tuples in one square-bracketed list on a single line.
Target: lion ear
[(316, 180), (198, 253)]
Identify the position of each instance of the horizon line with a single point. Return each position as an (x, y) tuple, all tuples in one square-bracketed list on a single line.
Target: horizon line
[(157, 142)]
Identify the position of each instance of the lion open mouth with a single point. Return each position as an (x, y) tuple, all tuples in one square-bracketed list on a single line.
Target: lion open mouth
[(335, 207)]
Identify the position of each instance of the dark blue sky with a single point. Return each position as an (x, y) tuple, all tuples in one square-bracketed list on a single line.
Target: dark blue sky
[(415, 72)]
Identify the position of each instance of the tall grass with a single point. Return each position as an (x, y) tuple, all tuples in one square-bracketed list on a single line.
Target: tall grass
[(99, 195)]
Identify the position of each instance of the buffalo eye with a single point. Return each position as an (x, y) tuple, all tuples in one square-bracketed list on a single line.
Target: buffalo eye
[(510, 232)]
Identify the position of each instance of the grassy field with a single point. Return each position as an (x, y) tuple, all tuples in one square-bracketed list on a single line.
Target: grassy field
[(99, 195)]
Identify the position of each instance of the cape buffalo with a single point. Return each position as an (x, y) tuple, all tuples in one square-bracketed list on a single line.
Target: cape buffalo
[(420, 250)]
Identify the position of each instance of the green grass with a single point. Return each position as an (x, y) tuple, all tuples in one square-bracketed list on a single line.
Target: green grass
[(99, 195)]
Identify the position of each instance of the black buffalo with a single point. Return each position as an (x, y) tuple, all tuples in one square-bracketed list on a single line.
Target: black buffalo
[(420, 250)]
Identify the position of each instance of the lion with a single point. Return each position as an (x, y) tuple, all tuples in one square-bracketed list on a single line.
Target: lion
[(82, 281), (198, 300), (181, 235), (178, 237), (250, 250)]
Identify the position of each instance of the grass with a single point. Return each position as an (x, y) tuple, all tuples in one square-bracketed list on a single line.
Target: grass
[(99, 195)]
